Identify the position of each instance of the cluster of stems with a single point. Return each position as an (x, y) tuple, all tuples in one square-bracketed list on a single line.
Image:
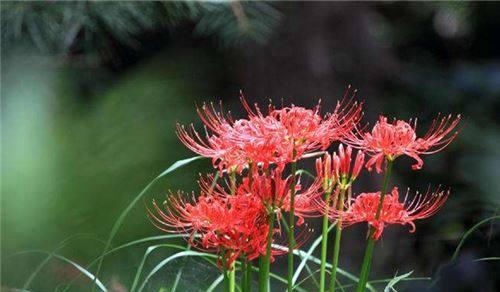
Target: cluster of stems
[(367, 260)]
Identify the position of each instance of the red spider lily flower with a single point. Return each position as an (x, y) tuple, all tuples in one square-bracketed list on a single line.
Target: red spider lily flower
[(339, 169), (281, 136), (364, 208), (307, 131), (228, 225), (274, 192), (390, 140)]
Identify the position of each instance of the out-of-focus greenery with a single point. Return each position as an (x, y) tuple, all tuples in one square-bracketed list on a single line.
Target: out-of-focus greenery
[(70, 163), (94, 28), (91, 93)]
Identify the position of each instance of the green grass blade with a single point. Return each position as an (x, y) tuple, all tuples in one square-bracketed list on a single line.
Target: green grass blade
[(487, 259), (301, 254), (164, 262), (215, 283), (37, 270), (75, 265), (125, 212), (303, 171), (468, 233), (394, 281), (61, 245), (149, 250), (179, 275), (311, 249), (129, 244), (306, 278)]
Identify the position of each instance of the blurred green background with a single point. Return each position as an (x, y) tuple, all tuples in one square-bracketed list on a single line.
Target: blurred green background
[(91, 93)]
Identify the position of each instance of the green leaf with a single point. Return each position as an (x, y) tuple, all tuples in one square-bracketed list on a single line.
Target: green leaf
[(149, 250), (304, 260), (61, 245), (164, 262), (77, 266), (487, 259), (129, 244), (303, 171), (468, 233), (178, 164), (394, 281), (302, 254), (125, 212), (179, 273), (215, 283)]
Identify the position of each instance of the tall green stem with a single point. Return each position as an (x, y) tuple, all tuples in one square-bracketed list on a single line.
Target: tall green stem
[(248, 276), (365, 268), (244, 266), (324, 243), (231, 272), (265, 261), (338, 234), (291, 226), (225, 273), (232, 278)]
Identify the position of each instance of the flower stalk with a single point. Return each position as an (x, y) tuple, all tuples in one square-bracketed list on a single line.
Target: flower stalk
[(338, 235), (324, 242), (291, 225), (265, 261), (365, 268)]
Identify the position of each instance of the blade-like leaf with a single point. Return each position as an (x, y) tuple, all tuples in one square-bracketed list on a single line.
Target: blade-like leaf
[(128, 244), (303, 171), (149, 250), (125, 212), (487, 259), (304, 260), (77, 266), (179, 274), (164, 262), (468, 233), (61, 245), (394, 281), (301, 254), (215, 283)]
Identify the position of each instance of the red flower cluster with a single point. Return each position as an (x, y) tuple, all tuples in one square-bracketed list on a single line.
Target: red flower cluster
[(234, 219), (217, 221), (274, 192), (390, 140), (364, 208), (281, 136)]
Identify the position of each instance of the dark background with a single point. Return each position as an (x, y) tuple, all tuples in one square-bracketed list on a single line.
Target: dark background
[(91, 93)]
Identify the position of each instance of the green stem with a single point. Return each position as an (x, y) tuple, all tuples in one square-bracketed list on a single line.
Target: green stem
[(324, 243), (265, 261), (365, 268), (248, 276), (244, 266), (231, 272), (225, 274), (336, 249), (232, 278), (291, 225)]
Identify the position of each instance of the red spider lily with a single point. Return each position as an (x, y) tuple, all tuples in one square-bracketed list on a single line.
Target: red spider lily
[(281, 136), (229, 225), (274, 193), (390, 140), (364, 208), (339, 169), (307, 131)]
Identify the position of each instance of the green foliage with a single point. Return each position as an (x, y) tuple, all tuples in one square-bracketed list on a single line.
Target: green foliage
[(394, 281), (94, 28)]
